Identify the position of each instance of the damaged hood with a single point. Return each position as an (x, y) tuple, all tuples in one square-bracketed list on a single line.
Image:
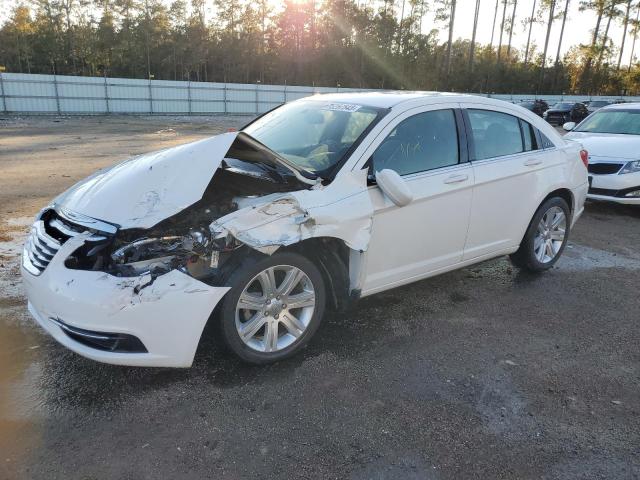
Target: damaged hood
[(145, 190)]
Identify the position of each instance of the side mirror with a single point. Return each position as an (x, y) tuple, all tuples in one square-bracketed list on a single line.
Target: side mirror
[(569, 126), (394, 187)]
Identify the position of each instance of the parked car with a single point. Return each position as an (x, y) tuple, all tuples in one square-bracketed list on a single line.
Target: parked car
[(563, 112), (612, 137), (536, 106), (313, 205), (594, 105)]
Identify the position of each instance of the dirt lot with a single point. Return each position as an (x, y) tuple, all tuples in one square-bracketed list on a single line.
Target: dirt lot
[(482, 373)]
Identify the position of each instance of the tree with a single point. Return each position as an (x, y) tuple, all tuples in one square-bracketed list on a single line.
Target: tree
[(531, 20), (504, 13), (557, 62), (447, 12), (551, 5), (634, 29), (352, 43), (493, 26), (511, 25), (564, 20), (473, 36), (599, 6), (625, 24)]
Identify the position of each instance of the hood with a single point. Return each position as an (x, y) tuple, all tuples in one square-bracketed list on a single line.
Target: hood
[(559, 110), (608, 145), (141, 192)]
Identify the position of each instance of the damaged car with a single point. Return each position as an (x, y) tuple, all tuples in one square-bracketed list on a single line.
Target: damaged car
[(309, 207)]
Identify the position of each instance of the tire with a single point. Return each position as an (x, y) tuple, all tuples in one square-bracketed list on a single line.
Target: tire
[(537, 257), (263, 309)]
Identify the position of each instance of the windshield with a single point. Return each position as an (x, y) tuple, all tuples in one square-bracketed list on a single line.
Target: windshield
[(314, 135), (598, 103), (612, 121), (563, 105)]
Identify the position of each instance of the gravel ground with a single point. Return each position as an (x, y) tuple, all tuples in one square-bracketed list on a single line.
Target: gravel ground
[(486, 372)]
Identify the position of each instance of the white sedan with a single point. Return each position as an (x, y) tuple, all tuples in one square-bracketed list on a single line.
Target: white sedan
[(611, 135), (311, 206)]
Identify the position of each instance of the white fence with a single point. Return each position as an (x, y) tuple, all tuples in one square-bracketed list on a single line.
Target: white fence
[(57, 94)]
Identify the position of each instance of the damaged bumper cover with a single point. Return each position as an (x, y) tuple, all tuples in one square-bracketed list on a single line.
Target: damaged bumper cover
[(166, 316)]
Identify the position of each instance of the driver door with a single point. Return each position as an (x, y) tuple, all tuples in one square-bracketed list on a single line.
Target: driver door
[(427, 147)]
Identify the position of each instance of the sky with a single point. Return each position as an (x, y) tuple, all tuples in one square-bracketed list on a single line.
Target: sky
[(577, 30)]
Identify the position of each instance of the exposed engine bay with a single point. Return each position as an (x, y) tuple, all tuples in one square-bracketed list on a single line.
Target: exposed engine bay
[(184, 241)]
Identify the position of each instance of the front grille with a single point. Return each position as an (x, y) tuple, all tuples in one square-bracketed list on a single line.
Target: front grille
[(614, 193), (605, 168), (555, 117), (47, 235), (603, 191)]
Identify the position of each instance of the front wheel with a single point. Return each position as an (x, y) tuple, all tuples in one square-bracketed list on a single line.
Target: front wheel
[(545, 238), (274, 307)]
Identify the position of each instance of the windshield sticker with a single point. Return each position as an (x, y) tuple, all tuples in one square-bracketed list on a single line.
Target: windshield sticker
[(341, 107)]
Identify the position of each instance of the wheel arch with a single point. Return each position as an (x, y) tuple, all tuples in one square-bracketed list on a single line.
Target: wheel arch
[(331, 255), (563, 193)]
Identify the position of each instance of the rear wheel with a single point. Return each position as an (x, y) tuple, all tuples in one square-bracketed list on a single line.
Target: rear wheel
[(274, 307), (545, 238)]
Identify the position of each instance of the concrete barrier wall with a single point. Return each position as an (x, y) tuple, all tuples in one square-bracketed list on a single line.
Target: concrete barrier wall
[(57, 94)]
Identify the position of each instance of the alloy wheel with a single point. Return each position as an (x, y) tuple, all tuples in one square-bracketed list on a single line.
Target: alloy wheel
[(275, 308), (550, 235)]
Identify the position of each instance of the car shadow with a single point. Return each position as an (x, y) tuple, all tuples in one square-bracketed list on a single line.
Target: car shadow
[(604, 209), (69, 381)]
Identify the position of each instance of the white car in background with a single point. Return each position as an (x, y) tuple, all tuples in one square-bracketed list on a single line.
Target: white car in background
[(611, 135), (594, 105), (317, 203)]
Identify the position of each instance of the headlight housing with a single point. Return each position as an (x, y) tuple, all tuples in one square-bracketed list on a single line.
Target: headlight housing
[(195, 253), (631, 167), (159, 254)]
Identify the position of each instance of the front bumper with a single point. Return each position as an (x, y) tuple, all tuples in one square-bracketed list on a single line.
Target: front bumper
[(613, 188), (167, 315), (621, 200)]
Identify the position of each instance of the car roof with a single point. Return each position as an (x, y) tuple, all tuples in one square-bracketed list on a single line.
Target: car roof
[(388, 99), (622, 106), (391, 99)]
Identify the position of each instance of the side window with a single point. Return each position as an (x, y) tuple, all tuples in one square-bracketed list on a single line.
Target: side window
[(546, 143), (528, 136), (494, 134), (422, 142)]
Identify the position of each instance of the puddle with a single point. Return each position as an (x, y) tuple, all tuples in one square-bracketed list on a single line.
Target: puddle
[(10, 254), (578, 258)]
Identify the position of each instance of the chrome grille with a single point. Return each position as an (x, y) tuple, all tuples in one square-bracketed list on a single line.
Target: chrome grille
[(40, 248), (47, 236), (605, 168)]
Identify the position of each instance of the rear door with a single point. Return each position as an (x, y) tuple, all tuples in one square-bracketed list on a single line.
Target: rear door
[(506, 161)]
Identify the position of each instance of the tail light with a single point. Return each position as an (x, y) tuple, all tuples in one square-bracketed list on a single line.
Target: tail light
[(584, 156)]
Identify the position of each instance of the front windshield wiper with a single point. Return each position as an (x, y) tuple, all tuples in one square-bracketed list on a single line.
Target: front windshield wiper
[(305, 176), (255, 169)]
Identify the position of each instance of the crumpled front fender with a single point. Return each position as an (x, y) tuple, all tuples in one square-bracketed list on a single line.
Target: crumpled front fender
[(341, 210)]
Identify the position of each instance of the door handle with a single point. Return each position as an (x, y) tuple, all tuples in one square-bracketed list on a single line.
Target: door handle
[(456, 178), (532, 162)]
